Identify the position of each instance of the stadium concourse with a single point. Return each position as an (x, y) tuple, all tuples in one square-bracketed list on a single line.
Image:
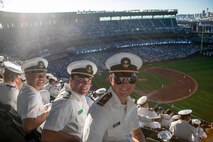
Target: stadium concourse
[(62, 38)]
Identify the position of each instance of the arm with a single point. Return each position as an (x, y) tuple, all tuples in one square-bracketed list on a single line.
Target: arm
[(95, 127), (30, 124), (137, 135), (60, 136)]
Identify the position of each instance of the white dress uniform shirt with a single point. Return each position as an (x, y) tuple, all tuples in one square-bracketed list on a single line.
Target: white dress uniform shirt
[(200, 134), (110, 122), (166, 121), (53, 90), (9, 94), (183, 130), (146, 118), (68, 114), (29, 103), (45, 95)]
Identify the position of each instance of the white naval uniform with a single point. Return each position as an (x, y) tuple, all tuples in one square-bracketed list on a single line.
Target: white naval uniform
[(146, 118), (200, 134), (68, 114), (29, 103), (9, 94), (110, 122), (45, 95), (182, 129), (53, 90), (166, 120)]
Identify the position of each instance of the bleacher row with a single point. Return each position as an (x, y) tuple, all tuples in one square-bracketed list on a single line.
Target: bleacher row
[(32, 40)]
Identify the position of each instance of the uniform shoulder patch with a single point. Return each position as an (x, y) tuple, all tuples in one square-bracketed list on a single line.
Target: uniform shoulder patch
[(66, 96), (104, 99)]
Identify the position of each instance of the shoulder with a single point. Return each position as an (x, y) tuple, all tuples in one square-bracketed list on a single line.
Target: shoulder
[(64, 94), (103, 100)]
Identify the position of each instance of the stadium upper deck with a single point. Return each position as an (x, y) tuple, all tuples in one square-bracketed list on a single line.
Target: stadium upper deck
[(7, 17), (29, 34)]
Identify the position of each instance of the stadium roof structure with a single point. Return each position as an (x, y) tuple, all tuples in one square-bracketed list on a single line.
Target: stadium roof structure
[(95, 14), (153, 12)]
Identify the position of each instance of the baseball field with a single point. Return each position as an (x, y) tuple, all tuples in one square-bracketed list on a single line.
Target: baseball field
[(176, 84)]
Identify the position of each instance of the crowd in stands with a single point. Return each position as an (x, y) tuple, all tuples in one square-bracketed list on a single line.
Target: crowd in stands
[(31, 40), (149, 53)]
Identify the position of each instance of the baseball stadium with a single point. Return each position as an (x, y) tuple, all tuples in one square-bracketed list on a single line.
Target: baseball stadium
[(177, 70)]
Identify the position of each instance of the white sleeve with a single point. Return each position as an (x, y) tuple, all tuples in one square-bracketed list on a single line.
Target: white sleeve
[(57, 119), (96, 124), (144, 118), (33, 107), (202, 134), (134, 120)]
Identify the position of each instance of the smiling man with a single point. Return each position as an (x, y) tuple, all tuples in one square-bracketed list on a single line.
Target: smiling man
[(67, 116), (29, 103), (113, 117)]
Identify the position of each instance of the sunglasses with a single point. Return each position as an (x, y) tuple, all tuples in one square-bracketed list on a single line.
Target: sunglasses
[(120, 80)]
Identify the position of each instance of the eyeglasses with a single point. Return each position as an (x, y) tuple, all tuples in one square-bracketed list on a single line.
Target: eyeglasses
[(120, 80)]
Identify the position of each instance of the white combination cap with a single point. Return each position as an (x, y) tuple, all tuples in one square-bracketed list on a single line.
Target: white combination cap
[(185, 112), (174, 117), (142, 100), (100, 91), (49, 74), (82, 67), (124, 62), (196, 121), (22, 77), (13, 67), (53, 77), (36, 64)]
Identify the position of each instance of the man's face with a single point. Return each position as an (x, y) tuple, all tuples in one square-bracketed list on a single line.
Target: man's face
[(18, 83), (80, 84), (36, 79), (122, 86)]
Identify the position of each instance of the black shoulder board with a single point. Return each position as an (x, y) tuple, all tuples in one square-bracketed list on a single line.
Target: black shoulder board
[(67, 97), (10, 86), (104, 99)]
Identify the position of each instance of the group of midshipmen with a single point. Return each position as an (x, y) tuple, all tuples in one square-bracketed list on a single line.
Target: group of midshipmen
[(67, 113), (69, 117)]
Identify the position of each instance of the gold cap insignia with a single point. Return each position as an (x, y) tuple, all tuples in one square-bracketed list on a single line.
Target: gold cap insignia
[(89, 68), (125, 62), (41, 64)]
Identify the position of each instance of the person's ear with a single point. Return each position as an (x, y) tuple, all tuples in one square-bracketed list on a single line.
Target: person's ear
[(110, 78)]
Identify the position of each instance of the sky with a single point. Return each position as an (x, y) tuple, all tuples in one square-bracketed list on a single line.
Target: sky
[(183, 6)]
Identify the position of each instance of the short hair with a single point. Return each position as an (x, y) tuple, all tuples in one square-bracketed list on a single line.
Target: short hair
[(9, 76)]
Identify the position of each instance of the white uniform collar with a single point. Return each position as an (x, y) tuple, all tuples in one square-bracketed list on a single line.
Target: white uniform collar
[(76, 96), (117, 102)]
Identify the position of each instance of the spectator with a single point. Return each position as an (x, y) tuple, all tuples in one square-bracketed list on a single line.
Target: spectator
[(147, 117), (68, 113), (181, 128), (29, 104), (113, 117), (12, 84), (200, 134)]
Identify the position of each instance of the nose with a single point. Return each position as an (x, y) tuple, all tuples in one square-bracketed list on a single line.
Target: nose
[(125, 81), (86, 82), (42, 76)]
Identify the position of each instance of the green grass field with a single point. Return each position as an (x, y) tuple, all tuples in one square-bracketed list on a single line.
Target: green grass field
[(198, 67)]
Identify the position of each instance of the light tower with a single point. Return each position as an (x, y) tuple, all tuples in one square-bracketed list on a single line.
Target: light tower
[(207, 12), (1, 4)]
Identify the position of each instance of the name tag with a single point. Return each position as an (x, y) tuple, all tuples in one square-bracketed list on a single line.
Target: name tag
[(80, 111), (116, 124)]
